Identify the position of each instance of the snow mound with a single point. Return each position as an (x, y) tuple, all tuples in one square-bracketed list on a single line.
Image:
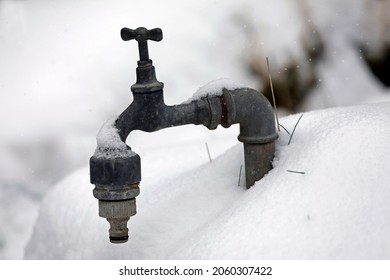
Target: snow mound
[(337, 209)]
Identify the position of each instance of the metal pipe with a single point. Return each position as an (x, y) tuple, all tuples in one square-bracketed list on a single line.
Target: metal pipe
[(255, 115), (116, 175)]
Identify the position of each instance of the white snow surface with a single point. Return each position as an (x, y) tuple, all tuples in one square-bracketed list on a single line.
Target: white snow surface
[(215, 88), (109, 143), (337, 209)]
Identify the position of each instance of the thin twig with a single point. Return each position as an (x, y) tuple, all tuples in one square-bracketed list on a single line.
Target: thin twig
[(292, 133), (208, 152), (299, 172), (284, 129), (239, 176), (273, 95)]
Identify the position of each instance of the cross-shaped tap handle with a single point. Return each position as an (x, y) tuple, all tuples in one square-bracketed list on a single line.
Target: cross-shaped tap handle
[(141, 35)]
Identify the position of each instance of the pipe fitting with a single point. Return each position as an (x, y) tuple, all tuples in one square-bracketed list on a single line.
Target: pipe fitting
[(125, 170), (254, 113), (116, 182), (118, 214)]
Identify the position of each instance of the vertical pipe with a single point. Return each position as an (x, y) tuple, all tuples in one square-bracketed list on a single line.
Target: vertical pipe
[(258, 161)]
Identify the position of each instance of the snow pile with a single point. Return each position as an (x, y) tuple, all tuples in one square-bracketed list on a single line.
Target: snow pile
[(337, 209), (57, 55), (16, 226), (215, 88), (109, 143)]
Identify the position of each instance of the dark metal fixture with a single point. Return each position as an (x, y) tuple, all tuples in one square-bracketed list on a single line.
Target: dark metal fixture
[(116, 176)]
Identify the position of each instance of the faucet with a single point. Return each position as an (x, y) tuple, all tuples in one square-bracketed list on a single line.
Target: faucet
[(115, 169)]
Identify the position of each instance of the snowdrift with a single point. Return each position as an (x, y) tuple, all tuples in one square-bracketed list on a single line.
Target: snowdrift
[(336, 208)]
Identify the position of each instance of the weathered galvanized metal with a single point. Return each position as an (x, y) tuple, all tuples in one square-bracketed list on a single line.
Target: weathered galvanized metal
[(117, 179)]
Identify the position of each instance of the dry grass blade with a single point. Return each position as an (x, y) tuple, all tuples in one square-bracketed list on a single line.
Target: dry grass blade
[(292, 133), (239, 176), (208, 152), (293, 171), (273, 95), (284, 129)]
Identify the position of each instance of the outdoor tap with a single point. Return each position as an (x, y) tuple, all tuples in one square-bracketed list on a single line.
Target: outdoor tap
[(115, 169)]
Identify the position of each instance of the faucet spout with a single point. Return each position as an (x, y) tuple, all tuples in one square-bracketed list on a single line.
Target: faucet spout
[(115, 169), (149, 113)]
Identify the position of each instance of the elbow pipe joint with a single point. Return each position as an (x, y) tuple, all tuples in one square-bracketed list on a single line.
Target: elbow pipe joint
[(252, 111)]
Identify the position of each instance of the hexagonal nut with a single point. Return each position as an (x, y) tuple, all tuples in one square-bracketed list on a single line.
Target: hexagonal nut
[(115, 171), (120, 209)]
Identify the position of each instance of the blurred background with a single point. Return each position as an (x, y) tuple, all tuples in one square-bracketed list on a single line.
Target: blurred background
[(64, 71)]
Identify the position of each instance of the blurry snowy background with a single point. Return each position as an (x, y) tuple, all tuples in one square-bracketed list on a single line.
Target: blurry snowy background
[(64, 70)]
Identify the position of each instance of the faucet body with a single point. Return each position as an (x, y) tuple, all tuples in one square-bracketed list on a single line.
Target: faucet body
[(117, 178)]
